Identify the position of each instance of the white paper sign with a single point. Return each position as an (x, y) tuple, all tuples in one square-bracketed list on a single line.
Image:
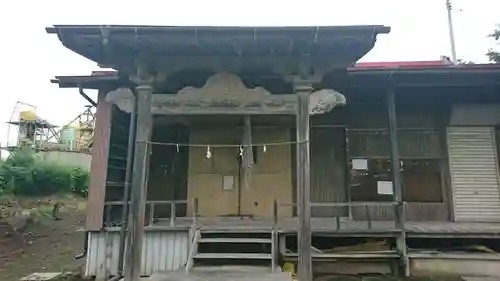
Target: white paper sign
[(227, 182), (360, 164), (384, 187)]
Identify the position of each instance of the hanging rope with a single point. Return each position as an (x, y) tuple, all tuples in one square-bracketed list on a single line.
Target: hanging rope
[(263, 145), (247, 152)]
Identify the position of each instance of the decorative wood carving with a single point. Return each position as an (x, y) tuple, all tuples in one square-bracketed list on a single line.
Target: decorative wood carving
[(122, 97), (325, 100), (225, 93)]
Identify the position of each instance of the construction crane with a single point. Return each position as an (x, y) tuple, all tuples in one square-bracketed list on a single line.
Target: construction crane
[(37, 133)]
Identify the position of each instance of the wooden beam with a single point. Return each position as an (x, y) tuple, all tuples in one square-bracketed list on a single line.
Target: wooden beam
[(139, 183), (281, 64), (99, 163), (396, 181), (303, 179), (247, 102)]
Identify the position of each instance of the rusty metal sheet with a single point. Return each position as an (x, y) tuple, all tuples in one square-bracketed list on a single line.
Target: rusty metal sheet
[(162, 251)]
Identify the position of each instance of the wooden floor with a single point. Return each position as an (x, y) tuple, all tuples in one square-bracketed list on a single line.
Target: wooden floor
[(330, 225)]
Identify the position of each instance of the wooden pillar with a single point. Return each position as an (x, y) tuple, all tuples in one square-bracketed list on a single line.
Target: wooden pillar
[(139, 183), (396, 179), (303, 183), (99, 163), (128, 183), (395, 159)]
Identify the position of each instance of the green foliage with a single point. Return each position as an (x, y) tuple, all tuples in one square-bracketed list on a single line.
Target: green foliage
[(4, 179), (23, 173), (494, 55), (80, 182)]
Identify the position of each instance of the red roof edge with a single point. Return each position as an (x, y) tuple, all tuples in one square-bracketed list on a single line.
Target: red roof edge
[(443, 63)]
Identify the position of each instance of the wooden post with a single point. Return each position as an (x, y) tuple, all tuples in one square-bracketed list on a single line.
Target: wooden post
[(396, 181), (195, 211), (139, 183), (127, 187), (99, 163), (275, 213), (303, 183), (151, 213), (172, 212)]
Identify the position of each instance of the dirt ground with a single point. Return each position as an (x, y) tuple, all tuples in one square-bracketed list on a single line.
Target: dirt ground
[(40, 243)]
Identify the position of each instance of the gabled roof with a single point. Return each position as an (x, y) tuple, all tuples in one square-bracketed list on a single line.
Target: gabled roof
[(117, 46)]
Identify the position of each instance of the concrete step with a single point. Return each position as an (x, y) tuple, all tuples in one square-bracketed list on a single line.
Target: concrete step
[(233, 273), (236, 256), (236, 240)]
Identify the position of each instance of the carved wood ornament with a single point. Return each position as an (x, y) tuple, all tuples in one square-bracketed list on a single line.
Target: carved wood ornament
[(225, 93)]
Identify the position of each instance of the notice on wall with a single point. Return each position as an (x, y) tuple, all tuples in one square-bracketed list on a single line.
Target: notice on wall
[(360, 164), (227, 182), (384, 188)]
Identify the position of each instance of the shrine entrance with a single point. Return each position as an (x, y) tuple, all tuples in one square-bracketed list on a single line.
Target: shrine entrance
[(292, 71), (229, 181)]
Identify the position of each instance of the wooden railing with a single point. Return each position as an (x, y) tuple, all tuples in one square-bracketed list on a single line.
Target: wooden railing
[(413, 211), (366, 207), (150, 210), (368, 212)]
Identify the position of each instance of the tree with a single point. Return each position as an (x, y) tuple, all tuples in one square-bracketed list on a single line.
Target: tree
[(493, 54)]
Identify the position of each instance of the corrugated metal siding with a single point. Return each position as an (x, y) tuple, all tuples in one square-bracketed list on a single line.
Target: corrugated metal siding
[(474, 173), (162, 250), (328, 170)]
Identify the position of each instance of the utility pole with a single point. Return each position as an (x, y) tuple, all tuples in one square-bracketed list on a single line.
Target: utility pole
[(449, 9)]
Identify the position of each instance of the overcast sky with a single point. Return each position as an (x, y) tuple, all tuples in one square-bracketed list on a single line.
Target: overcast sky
[(30, 57)]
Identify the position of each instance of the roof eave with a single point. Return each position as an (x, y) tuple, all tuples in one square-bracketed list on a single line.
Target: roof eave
[(72, 36)]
